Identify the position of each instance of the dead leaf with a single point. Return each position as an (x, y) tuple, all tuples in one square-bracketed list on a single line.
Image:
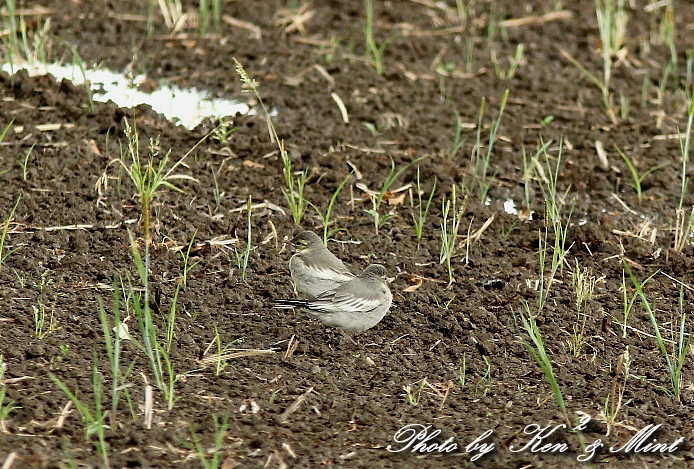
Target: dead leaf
[(294, 20), (122, 331), (255, 31), (253, 164), (415, 280), (388, 196), (393, 199), (369, 193), (602, 156), (357, 173), (633, 264), (50, 127), (91, 146), (524, 214)]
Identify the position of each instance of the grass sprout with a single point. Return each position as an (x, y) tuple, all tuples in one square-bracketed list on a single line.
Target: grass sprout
[(294, 192), (535, 345), (94, 418), (612, 22), (555, 204), (217, 193), (462, 372), (377, 199), (613, 400), (19, 47), (422, 210), (11, 40), (113, 351), (583, 283), (604, 87), (529, 171), (205, 7), (681, 346), (150, 178), (6, 129), (171, 319), (544, 286), (663, 33), (5, 228), (25, 161), (374, 52), (242, 256), (452, 214), (627, 304), (414, 393), (484, 382), (684, 228), (220, 429), (442, 303), (41, 327), (187, 267), (513, 63), (458, 141), (684, 224), (635, 176), (156, 353), (185, 257), (6, 407), (684, 149), (77, 60), (536, 350), (325, 216), (220, 360), (478, 177), (224, 130)]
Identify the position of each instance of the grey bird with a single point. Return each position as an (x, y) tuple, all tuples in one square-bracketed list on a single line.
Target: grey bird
[(353, 306), (314, 269)]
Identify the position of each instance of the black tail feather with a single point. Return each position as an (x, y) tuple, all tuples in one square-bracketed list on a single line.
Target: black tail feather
[(282, 303)]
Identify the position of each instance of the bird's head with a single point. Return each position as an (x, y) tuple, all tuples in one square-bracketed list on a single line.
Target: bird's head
[(305, 240), (375, 270)]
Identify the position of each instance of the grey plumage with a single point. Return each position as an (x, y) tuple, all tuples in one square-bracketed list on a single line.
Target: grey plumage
[(355, 305), (314, 269)]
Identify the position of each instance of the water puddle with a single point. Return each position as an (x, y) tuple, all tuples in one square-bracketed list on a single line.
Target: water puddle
[(510, 207), (185, 106)]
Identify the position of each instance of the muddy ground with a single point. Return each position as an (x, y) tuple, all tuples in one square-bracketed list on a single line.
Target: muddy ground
[(310, 399)]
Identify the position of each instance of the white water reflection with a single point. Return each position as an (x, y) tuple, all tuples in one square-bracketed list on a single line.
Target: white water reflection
[(510, 207), (186, 106)]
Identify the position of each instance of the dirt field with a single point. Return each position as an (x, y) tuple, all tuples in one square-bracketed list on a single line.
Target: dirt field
[(297, 394)]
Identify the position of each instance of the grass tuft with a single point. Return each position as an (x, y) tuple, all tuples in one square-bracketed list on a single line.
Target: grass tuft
[(681, 347), (452, 213)]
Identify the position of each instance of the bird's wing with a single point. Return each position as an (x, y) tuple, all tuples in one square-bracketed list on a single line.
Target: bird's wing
[(334, 270), (352, 296), (339, 276)]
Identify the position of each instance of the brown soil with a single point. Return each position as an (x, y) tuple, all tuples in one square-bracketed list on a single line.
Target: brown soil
[(354, 399)]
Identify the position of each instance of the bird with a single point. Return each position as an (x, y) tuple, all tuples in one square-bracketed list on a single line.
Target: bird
[(353, 306), (313, 268)]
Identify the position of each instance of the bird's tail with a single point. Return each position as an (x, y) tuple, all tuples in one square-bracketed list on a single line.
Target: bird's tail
[(281, 303)]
